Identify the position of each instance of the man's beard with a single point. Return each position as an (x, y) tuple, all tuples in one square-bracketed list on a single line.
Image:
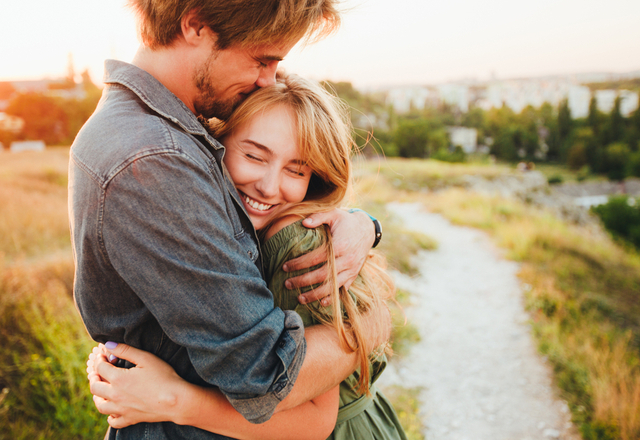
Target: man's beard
[(206, 103)]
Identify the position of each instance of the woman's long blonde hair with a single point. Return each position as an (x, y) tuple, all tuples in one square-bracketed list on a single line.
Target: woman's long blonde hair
[(326, 144)]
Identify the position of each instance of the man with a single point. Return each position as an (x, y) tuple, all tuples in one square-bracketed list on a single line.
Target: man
[(166, 257)]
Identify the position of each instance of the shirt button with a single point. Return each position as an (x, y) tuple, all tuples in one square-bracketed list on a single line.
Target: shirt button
[(250, 254), (281, 344)]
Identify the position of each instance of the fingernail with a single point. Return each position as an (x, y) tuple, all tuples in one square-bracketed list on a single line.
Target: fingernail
[(285, 267), (111, 345), (112, 358), (302, 299), (308, 221), (288, 285)]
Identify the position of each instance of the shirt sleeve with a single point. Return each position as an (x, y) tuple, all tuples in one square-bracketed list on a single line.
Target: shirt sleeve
[(167, 231)]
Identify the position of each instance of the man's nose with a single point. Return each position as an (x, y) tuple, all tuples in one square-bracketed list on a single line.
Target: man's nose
[(268, 75)]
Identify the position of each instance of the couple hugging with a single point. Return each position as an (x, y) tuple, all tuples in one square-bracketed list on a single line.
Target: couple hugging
[(209, 326)]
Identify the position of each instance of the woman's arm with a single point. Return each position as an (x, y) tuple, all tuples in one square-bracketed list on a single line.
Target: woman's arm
[(132, 396)]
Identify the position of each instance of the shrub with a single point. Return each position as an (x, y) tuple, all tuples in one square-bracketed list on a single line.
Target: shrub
[(621, 216)]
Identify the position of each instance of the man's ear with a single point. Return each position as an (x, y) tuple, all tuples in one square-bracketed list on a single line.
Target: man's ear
[(194, 30)]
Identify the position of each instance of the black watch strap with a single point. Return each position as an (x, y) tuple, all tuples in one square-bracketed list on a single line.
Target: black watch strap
[(376, 224)]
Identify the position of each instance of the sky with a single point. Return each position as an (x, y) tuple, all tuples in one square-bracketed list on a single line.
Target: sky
[(381, 42)]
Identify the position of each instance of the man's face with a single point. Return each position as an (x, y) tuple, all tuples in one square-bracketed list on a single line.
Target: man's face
[(228, 76)]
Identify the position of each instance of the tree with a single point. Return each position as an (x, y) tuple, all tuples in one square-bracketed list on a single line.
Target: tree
[(594, 118), (614, 127), (44, 118), (617, 156), (411, 137), (6, 90), (565, 123)]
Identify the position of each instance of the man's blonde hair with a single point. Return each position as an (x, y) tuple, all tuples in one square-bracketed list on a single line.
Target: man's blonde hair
[(324, 137), (238, 22)]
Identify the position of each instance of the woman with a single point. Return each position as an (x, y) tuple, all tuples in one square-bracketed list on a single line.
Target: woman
[(288, 152)]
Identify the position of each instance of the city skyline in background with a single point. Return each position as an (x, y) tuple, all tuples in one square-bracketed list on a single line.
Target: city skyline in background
[(416, 42)]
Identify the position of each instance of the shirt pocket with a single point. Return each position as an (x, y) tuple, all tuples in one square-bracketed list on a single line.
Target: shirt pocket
[(248, 244)]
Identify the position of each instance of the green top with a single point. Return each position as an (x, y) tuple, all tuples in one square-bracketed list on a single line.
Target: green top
[(360, 417)]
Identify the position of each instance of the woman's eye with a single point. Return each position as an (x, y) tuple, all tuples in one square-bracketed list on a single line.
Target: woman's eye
[(252, 157), (297, 172)]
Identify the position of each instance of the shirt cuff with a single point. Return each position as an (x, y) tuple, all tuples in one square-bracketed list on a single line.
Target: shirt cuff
[(291, 349)]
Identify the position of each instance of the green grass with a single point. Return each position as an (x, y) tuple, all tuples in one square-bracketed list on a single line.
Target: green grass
[(584, 302), (42, 356), (407, 405), (45, 393), (566, 175)]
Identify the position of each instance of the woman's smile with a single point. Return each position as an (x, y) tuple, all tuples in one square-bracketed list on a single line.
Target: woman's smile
[(262, 207), (265, 165)]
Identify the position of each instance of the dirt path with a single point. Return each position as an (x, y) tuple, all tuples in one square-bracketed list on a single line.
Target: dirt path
[(482, 378)]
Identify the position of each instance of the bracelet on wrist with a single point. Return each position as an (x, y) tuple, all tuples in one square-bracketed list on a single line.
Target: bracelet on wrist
[(376, 225)]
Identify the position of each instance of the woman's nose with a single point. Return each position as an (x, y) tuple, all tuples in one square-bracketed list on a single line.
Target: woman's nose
[(269, 184)]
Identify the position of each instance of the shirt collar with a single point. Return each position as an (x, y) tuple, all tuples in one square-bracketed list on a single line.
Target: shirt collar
[(154, 94)]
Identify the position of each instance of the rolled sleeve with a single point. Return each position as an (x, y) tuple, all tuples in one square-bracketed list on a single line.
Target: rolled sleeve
[(291, 350), (166, 228)]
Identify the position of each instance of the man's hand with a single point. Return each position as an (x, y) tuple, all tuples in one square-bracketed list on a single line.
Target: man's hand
[(353, 235)]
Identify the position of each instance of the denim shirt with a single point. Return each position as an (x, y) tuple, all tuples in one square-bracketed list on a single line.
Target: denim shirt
[(166, 257)]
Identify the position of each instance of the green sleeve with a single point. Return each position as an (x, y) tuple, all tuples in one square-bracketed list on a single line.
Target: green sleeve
[(291, 242)]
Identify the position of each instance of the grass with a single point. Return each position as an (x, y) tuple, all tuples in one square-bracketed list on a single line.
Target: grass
[(43, 387), (407, 405), (33, 196), (44, 343), (428, 175), (584, 300), (566, 175), (400, 246)]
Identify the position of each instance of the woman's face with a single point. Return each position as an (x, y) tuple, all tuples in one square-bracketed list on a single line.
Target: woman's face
[(265, 165)]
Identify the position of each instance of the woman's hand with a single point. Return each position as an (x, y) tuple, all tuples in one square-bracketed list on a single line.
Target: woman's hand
[(149, 392), (353, 235)]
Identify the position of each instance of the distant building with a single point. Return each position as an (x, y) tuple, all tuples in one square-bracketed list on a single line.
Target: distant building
[(10, 123), (455, 94), (404, 99), (19, 146), (578, 99), (51, 87), (605, 100), (465, 137), (628, 102)]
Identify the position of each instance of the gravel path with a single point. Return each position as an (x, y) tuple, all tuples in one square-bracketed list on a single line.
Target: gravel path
[(482, 378)]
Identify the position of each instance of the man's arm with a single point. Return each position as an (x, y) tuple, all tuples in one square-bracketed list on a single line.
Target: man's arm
[(353, 236), (327, 363)]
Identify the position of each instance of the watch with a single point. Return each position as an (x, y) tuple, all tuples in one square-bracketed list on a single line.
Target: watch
[(376, 225)]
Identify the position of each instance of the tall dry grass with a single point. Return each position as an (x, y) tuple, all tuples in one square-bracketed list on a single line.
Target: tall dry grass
[(44, 344), (583, 295), (33, 203)]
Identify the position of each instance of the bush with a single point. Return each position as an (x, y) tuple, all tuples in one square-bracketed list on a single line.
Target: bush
[(633, 165), (42, 357), (445, 155), (621, 217), (555, 179), (577, 156), (411, 138)]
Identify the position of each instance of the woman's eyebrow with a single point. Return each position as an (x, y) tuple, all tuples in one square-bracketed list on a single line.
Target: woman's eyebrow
[(259, 146)]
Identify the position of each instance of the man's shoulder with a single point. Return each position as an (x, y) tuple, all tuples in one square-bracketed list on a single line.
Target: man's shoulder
[(123, 129)]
